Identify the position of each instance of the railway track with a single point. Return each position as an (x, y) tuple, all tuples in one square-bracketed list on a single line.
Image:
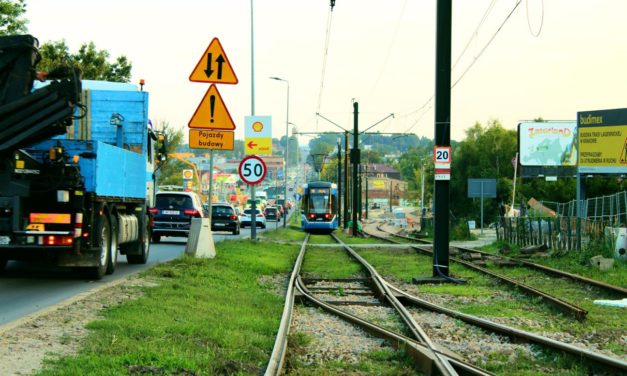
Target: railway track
[(427, 356), (565, 307)]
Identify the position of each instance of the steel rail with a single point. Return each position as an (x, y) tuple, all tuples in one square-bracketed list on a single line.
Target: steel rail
[(277, 358), (442, 361), (560, 304), (425, 359), (613, 363), (553, 271), (533, 265)]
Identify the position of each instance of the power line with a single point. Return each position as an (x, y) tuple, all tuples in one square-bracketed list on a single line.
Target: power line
[(326, 54), (471, 64)]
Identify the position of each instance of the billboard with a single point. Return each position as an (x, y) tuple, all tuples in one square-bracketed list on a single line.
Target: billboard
[(548, 143), (602, 141)]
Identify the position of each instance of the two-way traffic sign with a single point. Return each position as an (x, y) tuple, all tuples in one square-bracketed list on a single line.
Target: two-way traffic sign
[(214, 66)]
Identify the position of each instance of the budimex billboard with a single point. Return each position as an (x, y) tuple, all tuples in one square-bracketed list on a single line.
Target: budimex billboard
[(548, 143), (603, 141)]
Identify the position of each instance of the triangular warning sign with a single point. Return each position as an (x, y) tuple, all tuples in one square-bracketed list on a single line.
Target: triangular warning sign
[(214, 66), (212, 113)]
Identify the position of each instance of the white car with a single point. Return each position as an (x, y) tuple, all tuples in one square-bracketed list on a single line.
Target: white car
[(260, 219)]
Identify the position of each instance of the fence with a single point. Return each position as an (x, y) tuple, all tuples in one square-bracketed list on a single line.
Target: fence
[(561, 231)]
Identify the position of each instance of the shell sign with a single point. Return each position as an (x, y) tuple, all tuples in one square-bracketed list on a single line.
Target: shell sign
[(188, 174)]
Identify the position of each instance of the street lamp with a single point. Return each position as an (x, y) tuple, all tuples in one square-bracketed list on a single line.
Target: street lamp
[(287, 122)]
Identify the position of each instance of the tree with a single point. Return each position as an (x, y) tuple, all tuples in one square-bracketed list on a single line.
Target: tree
[(89, 60), (484, 153), (11, 20), (170, 173)]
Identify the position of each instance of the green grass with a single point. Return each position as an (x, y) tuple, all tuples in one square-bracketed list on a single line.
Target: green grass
[(205, 317), (288, 234), (329, 263)]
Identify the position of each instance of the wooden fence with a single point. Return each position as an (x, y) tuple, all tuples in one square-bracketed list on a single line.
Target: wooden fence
[(555, 232)]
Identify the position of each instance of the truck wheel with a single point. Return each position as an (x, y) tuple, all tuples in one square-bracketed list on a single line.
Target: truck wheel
[(103, 242), (113, 257), (137, 252)]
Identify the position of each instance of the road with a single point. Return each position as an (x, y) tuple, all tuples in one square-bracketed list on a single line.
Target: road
[(27, 288)]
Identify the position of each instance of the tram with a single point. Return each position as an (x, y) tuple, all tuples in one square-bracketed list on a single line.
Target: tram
[(319, 207)]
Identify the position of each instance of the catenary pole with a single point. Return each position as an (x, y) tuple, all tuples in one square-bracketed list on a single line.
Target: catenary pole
[(442, 134)]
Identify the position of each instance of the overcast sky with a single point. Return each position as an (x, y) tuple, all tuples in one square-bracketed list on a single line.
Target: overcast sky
[(550, 59)]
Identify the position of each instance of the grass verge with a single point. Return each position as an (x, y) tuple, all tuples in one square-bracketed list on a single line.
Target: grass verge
[(205, 317)]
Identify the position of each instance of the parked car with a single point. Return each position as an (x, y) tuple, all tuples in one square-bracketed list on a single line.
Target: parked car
[(245, 219), (224, 218), (173, 213), (272, 213)]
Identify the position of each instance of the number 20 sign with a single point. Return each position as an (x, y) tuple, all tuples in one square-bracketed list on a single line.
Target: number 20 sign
[(442, 154), (252, 170)]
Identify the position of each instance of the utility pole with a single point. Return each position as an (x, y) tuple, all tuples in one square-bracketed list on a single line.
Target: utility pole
[(339, 180), (346, 185), (355, 162), (366, 190), (442, 134)]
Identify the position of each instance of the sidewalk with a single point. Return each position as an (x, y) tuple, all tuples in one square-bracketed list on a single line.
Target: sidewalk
[(488, 237)]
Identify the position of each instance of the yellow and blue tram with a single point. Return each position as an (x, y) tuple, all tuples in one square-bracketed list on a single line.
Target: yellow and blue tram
[(319, 207)]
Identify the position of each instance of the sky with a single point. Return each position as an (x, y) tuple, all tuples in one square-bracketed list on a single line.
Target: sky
[(547, 59)]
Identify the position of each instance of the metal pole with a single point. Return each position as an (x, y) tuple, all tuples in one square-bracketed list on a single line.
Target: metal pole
[(482, 208), (366, 190), (287, 148), (253, 206), (355, 162), (346, 185), (339, 180), (442, 134), (210, 182)]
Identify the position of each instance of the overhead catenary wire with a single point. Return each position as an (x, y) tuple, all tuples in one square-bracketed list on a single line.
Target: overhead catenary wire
[(535, 34), (473, 61), (325, 55)]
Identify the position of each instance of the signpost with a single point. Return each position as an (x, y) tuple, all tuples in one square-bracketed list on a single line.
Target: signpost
[(211, 125), (481, 188)]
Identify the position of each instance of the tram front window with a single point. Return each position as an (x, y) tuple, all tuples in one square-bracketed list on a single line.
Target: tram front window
[(319, 203)]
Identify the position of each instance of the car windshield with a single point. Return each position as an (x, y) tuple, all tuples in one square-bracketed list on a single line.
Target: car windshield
[(221, 210), (174, 202)]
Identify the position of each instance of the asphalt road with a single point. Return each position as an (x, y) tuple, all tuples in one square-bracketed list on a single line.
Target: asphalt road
[(26, 288)]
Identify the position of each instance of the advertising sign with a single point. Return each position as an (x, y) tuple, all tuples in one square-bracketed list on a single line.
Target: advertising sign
[(602, 141), (548, 143), (258, 135)]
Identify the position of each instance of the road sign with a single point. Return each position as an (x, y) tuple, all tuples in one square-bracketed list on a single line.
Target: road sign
[(442, 154), (212, 113), (214, 66), (258, 135), (214, 140), (252, 170)]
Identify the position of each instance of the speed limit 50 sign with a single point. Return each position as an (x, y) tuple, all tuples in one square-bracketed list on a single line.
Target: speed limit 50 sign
[(252, 170)]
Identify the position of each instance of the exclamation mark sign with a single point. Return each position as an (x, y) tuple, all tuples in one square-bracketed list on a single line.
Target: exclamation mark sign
[(212, 105)]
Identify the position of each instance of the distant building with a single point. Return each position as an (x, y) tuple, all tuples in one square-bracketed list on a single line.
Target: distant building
[(384, 183)]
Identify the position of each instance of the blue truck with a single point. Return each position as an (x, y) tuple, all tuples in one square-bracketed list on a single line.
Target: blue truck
[(77, 163)]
